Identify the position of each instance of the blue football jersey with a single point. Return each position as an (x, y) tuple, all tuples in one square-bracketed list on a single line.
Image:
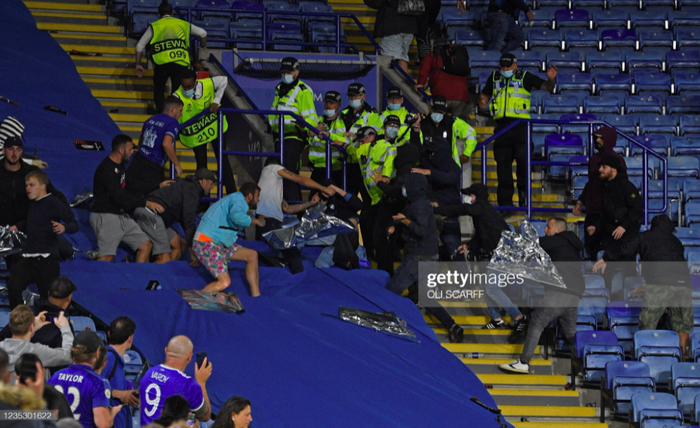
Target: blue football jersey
[(161, 382), (84, 389)]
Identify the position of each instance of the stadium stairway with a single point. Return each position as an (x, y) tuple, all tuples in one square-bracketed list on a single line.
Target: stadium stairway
[(104, 57)]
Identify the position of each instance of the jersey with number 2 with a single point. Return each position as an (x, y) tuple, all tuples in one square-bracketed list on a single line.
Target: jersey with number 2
[(84, 389), (161, 382)]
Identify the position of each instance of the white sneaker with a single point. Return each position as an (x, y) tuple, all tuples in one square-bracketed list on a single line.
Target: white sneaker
[(516, 367)]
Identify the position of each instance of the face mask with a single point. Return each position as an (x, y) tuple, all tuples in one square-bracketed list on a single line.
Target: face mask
[(468, 200), (356, 103), (287, 78), (329, 112), (404, 193), (188, 93), (437, 117), (394, 107), (392, 132), (507, 74)]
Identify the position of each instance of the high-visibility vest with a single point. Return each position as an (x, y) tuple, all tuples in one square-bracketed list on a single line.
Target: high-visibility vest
[(402, 113), (460, 130), (373, 157), (299, 100), (510, 98), (170, 41), (317, 148), (205, 129), (367, 117)]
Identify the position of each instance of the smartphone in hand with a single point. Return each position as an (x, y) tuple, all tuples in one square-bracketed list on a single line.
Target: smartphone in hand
[(200, 358)]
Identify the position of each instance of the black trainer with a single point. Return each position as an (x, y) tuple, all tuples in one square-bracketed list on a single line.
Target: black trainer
[(456, 334), (494, 325)]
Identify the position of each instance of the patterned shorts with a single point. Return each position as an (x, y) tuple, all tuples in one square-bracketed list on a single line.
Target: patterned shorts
[(214, 256)]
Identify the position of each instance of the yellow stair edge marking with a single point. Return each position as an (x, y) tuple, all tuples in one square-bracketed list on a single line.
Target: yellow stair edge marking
[(101, 49), (111, 93), (92, 37), (541, 197), (476, 332), (559, 425), (52, 26), (192, 166), (125, 104), (70, 15), (534, 392), (120, 117), (450, 304), (484, 129), (125, 128), (499, 361), (120, 59), (119, 81), (112, 71), (523, 379), (463, 319), (486, 348), (63, 6), (563, 411)]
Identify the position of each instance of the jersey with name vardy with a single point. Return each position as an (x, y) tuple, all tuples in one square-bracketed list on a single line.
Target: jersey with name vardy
[(153, 131), (161, 382), (84, 389)]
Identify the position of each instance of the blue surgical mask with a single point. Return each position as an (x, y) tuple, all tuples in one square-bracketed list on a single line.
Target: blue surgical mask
[(356, 103), (436, 117), (394, 107), (287, 78), (507, 74), (404, 193), (329, 113), (392, 132), (188, 93)]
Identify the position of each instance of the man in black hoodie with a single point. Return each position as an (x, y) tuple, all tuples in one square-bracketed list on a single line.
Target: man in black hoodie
[(564, 248), (666, 278)]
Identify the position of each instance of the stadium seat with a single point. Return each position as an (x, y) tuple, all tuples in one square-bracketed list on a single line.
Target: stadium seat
[(659, 349), (285, 33), (693, 256), (688, 236), (4, 318), (484, 59), (643, 104), (683, 166), (316, 7), (132, 362), (691, 190), (650, 81), (572, 18), (563, 143), (655, 39), (580, 38), (615, 82), (622, 318), (246, 29), (552, 103), (655, 410), (678, 18), (655, 5), (618, 38), (604, 60), (82, 323), (685, 146), (650, 59), (540, 37), (689, 124), (646, 18), (593, 349), (530, 59), (687, 37), (652, 123), (610, 18), (565, 61), (213, 4), (623, 379), (574, 126), (692, 213), (545, 128), (552, 3), (141, 20), (468, 38), (625, 123), (602, 104), (695, 355), (683, 59), (283, 6), (658, 143), (685, 80), (243, 6), (685, 378), (454, 18), (589, 4), (683, 105), (558, 172), (543, 18)]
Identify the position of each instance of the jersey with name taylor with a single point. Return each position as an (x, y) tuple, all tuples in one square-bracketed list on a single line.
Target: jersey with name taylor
[(153, 132), (84, 389), (161, 382)]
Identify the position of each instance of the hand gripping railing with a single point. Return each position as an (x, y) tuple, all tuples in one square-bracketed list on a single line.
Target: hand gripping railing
[(300, 121), (646, 151), (409, 79), (186, 14)]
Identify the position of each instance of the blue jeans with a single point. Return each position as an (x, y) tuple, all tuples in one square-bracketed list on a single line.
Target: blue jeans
[(501, 300), (451, 236), (406, 274), (505, 35)]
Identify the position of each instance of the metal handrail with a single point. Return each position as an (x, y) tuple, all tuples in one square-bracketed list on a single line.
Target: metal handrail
[(410, 80), (646, 151)]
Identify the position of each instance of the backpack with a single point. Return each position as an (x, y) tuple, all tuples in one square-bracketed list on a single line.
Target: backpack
[(455, 60)]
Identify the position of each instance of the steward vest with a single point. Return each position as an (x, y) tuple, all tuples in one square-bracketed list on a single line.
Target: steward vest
[(171, 41), (368, 116), (511, 99), (317, 148), (299, 100), (373, 157), (205, 129)]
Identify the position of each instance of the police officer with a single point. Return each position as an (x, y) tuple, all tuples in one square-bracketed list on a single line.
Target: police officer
[(445, 126), (203, 96), (294, 96), (169, 41), (509, 90), (333, 127), (394, 99)]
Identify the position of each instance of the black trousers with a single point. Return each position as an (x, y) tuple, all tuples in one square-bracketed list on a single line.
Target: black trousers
[(356, 183), (592, 242), (143, 177), (383, 247), (41, 271), (161, 74), (200, 156), (293, 147), (508, 148), (292, 255), (367, 220), (319, 175)]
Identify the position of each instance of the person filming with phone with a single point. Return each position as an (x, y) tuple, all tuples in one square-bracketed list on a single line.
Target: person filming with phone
[(167, 379)]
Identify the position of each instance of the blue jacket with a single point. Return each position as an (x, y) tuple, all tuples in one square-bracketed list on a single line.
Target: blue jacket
[(231, 211)]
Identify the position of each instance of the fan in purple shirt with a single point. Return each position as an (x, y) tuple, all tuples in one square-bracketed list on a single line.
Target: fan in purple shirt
[(165, 380), (87, 392)]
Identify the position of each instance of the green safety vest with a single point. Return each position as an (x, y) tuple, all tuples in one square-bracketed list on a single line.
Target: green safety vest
[(205, 129), (460, 130), (511, 99), (367, 118), (402, 114), (317, 148), (377, 156), (299, 100), (171, 41)]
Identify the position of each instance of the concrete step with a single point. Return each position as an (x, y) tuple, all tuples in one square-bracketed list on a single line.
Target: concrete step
[(463, 320), (126, 107), (490, 365), (105, 50), (97, 40), (65, 5), (76, 18), (486, 349), (81, 29), (550, 411), (123, 95), (102, 61), (567, 424), (477, 335), (534, 397), (119, 84), (114, 72), (534, 380)]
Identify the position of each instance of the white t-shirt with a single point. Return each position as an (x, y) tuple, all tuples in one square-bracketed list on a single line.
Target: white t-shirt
[(270, 184)]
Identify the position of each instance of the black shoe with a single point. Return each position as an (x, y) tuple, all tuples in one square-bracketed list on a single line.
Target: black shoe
[(492, 325), (522, 196), (456, 334), (521, 325)]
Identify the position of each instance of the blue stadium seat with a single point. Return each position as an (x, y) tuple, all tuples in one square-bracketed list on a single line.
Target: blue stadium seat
[(685, 80), (530, 59), (682, 104), (246, 29), (82, 323), (659, 349), (692, 213), (545, 128), (655, 410), (622, 38), (132, 362), (572, 18), (654, 5), (686, 37), (693, 256), (552, 103), (655, 38), (484, 59), (623, 379), (316, 7), (687, 4), (683, 59), (610, 18), (683, 166), (468, 38), (536, 101), (580, 38), (689, 125), (626, 123), (688, 236), (563, 143), (685, 378), (678, 18), (643, 104), (4, 318), (593, 349), (574, 125), (691, 190), (250, 6), (283, 6), (589, 4), (483, 79), (543, 18), (552, 3), (558, 172), (685, 146), (217, 33), (540, 37), (650, 59), (652, 123), (623, 320), (615, 82), (565, 60), (615, 4), (213, 4), (604, 60), (650, 81), (141, 20), (658, 143), (602, 104), (695, 354), (646, 18), (453, 18), (285, 33)]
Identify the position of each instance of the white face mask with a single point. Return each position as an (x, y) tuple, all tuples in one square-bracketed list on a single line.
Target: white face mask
[(356, 103), (287, 78)]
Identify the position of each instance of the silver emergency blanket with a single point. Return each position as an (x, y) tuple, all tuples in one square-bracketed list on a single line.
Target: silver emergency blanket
[(521, 254), (10, 239), (314, 224), (85, 198), (384, 322)]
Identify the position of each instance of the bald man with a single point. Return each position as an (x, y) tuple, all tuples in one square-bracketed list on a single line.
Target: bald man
[(160, 382)]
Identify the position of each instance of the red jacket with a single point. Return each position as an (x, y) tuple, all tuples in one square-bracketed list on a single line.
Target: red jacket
[(453, 88)]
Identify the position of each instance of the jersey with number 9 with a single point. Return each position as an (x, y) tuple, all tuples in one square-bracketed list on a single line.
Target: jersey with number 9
[(161, 382), (84, 389)]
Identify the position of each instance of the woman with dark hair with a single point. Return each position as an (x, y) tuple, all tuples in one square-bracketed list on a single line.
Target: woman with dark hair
[(175, 409), (234, 414)]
